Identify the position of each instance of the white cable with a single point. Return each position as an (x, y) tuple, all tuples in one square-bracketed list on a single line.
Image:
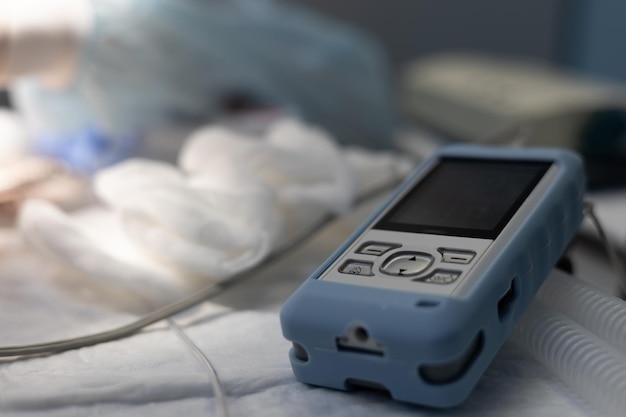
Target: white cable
[(119, 332), (615, 260), (221, 399)]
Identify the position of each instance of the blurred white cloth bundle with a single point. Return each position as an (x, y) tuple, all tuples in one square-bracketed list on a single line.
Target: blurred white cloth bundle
[(230, 202)]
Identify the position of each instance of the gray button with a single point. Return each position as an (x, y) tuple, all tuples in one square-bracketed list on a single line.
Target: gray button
[(441, 276), (376, 248), (355, 267), (406, 264), (456, 256)]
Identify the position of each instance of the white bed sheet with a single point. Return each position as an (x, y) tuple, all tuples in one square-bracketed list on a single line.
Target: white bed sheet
[(153, 373)]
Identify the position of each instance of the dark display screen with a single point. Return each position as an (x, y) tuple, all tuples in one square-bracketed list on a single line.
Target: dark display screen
[(465, 197)]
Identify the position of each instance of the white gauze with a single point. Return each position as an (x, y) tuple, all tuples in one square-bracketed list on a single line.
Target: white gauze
[(198, 227), (57, 235), (233, 200), (302, 164)]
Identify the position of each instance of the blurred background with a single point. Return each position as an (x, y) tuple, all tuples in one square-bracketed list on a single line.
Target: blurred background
[(579, 38), (582, 35), (402, 74)]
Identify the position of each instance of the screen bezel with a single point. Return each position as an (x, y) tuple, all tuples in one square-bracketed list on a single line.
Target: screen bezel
[(384, 223)]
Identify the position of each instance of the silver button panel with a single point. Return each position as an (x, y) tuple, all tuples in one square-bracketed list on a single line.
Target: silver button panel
[(403, 261)]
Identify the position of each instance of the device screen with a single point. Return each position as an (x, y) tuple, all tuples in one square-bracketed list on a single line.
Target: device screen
[(465, 197)]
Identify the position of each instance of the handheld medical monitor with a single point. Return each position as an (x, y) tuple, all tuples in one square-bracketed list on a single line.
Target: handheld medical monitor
[(418, 301)]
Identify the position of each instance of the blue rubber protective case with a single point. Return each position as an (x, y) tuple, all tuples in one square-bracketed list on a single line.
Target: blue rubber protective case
[(430, 331)]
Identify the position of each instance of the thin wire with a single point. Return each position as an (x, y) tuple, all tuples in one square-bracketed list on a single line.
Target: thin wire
[(614, 258), (219, 392), (117, 333), (186, 303)]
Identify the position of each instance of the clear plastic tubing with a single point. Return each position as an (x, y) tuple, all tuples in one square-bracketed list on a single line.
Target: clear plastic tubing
[(587, 364), (602, 314)]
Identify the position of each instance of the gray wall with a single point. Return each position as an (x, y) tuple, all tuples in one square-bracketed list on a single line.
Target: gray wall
[(598, 34), (410, 28)]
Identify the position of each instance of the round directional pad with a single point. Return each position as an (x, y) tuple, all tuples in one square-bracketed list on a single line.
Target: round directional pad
[(406, 264)]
